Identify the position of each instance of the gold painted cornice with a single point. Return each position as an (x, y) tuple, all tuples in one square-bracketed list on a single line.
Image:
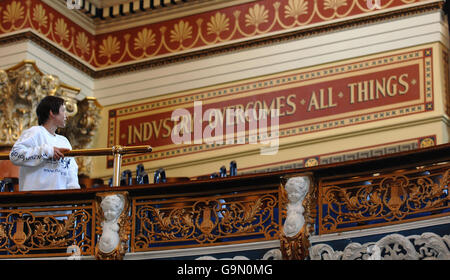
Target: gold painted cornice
[(192, 54)]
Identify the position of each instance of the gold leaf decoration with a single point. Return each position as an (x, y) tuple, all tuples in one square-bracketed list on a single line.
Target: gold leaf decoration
[(334, 4), (256, 15), (40, 16), (296, 8), (61, 29), (13, 12), (144, 39), (110, 46), (217, 24), (82, 43), (181, 32)]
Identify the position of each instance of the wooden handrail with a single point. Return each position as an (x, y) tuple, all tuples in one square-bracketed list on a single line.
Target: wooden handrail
[(99, 152)]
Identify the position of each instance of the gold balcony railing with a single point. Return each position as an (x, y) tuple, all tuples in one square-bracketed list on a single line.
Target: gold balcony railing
[(348, 196)]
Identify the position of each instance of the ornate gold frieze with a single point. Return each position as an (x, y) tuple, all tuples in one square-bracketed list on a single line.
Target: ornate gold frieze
[(189, 37)]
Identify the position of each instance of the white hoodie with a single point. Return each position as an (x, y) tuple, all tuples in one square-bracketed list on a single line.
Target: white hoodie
[(33, 152)]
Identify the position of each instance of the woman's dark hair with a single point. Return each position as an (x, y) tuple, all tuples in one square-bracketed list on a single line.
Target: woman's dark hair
[(47, 104)]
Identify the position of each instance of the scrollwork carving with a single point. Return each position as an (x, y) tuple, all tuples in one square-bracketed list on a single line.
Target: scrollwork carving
[(383, 199), (200, 221), (26, 231)]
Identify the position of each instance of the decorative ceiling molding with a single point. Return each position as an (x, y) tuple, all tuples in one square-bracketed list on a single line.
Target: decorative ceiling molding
[(187, 38), (101, 17)]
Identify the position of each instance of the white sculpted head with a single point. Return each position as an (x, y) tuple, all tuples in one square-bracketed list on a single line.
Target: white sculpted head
[(296, 188), (112, 207)]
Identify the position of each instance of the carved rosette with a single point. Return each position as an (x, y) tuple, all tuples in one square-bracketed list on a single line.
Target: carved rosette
[(298, 199), (113, 225), (23, 86)]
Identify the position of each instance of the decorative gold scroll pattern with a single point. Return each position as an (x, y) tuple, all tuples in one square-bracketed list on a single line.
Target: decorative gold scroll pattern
[(381, 199), (227, 25), (205, 221), (44, 231)]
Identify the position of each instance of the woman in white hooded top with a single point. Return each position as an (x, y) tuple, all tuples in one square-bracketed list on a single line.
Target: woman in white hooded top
[(40, 151)]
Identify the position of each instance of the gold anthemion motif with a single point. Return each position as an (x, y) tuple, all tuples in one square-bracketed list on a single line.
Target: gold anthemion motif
[(256, 15), (334, 4), (218, 24), (40, 16), (13, 13), (144, 39), (61, 30), (82, 43), (295, 8), (180, 32), (109, 47)]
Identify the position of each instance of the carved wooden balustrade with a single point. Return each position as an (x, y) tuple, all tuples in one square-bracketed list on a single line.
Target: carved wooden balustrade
[(161, 216), (359, 194), (382, 198)]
